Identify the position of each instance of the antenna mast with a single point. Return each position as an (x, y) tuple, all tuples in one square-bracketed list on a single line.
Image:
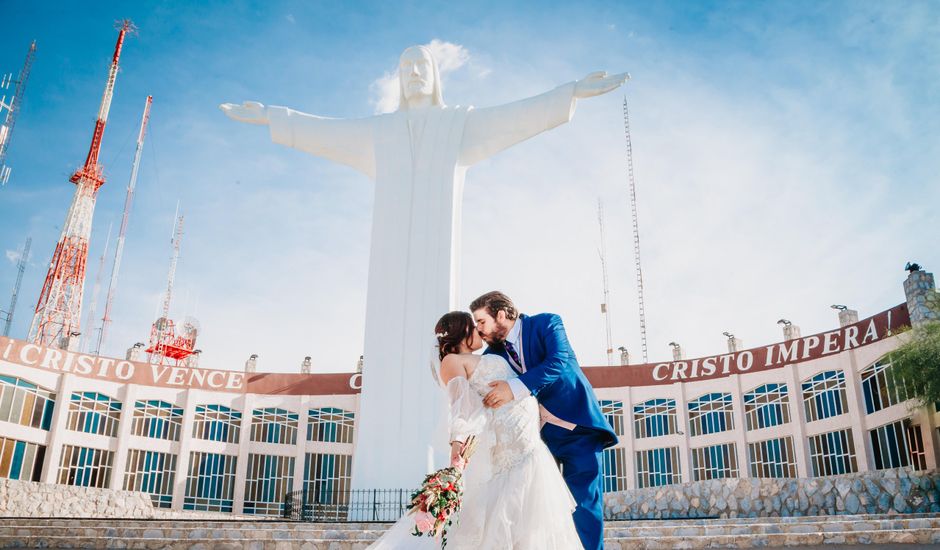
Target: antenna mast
[(164, 344), (57, 321), (119, 249), (636, 228), (90, 320), (605, 306), (20, 268), (13, 108)]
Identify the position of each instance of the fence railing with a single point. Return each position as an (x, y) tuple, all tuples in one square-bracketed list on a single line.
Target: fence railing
[(361, 505)]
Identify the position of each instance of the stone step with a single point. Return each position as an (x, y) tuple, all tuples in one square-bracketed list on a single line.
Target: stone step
[(258, 531), (922, 529), (892, 537), (257, 522)]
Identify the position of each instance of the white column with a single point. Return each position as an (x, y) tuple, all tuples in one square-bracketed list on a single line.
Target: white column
[(682, 421), (186, 443), (300, 450), (244, 445), (798, 421), (740, 425), (128, 396), (857, 416), (63, 395), (629, 436)]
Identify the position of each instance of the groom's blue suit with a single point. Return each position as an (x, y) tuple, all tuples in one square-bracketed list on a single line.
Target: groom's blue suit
[(552, 374)]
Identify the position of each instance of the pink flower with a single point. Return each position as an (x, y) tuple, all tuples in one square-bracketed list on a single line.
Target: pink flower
[(424, 521)]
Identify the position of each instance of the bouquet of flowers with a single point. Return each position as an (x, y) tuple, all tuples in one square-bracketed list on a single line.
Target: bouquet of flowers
[(440, 496)]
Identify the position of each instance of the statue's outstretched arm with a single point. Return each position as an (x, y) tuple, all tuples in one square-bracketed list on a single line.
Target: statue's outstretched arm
[(491, 129), (347, 141)]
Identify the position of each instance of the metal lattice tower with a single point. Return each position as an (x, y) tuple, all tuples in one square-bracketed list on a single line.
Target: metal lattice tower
[(12, 109), (636, 228), (605, 306), (57, 321), (166, 346), (20, 269), (96, 291), (119, 249)]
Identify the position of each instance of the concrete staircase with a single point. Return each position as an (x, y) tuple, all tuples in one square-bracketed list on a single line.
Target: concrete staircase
[(832, 531)]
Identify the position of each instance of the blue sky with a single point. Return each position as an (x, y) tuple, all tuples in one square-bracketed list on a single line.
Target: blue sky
[(786, 156)]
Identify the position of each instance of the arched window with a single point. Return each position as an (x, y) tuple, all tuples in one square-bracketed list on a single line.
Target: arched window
[(25, 403), (331, 425), (711, 413), (157, 419), (272, 425), (824, 395), (654, 417), (878, 390), (94, 413), (613, 412), (766, 406), (217, 423)]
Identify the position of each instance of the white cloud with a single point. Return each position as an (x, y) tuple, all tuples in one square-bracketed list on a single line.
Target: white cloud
[(385, 92), (449, 56), (13, 256)]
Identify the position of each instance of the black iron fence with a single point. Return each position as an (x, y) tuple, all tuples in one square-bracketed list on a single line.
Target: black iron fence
[(361, 505)]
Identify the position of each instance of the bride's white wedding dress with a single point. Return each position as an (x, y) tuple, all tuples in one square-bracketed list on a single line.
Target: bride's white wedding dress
[(515, 497)]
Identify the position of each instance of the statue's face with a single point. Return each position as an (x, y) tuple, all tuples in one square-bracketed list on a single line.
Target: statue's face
[(415, 69)]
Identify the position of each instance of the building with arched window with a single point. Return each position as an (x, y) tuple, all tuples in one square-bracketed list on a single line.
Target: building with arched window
[(231, 441)]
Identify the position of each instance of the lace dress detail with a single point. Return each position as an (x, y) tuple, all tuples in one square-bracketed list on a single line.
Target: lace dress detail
[(514, 495), (515, 425)]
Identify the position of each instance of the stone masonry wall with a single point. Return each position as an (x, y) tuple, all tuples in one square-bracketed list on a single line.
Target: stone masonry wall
[(31, 499), (885, 492)]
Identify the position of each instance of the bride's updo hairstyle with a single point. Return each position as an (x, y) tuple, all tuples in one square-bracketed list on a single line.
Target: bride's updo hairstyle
[(451, 329)]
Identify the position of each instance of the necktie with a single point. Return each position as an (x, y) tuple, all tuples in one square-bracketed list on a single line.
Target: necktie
[(511, 350)]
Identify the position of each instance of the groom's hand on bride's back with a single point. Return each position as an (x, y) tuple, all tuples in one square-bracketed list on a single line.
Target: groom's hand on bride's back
[(499, 395)]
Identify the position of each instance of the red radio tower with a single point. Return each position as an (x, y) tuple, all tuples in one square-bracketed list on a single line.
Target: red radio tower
[(58, 312)]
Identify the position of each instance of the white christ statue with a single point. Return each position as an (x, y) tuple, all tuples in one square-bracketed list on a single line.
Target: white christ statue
[(418, 157)]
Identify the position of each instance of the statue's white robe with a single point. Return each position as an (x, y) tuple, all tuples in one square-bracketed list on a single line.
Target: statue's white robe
[(418, 159)]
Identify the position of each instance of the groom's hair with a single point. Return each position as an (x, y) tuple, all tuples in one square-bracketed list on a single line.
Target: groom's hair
[(494, 302)]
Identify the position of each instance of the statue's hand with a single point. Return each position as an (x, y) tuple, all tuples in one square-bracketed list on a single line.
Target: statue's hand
[(251, 112), (598, 83)]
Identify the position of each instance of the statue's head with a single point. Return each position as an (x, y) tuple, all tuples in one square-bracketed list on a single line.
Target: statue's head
[(419, 77)]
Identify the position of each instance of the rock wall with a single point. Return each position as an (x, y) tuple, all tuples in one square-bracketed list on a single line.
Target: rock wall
[(31, 499), (879, 492)]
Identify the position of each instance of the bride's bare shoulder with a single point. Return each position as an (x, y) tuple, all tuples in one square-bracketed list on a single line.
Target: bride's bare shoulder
[(458, 364), (452, 367)]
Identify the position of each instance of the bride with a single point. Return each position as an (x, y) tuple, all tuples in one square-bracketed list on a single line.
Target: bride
[(514, 496)]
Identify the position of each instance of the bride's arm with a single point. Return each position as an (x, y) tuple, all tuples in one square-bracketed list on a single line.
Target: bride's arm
[(467, 415)]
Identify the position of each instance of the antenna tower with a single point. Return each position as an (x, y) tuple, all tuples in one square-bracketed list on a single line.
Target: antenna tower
[(167, 347), (119, 249), (20, 268), (90, 319), (57, 321), (636, 228), (605, 306), (12, 108)]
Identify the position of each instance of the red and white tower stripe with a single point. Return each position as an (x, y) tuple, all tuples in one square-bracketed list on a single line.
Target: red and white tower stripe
[(58, 312)]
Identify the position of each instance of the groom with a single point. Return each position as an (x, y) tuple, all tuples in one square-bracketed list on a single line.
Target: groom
[(574, 429)]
